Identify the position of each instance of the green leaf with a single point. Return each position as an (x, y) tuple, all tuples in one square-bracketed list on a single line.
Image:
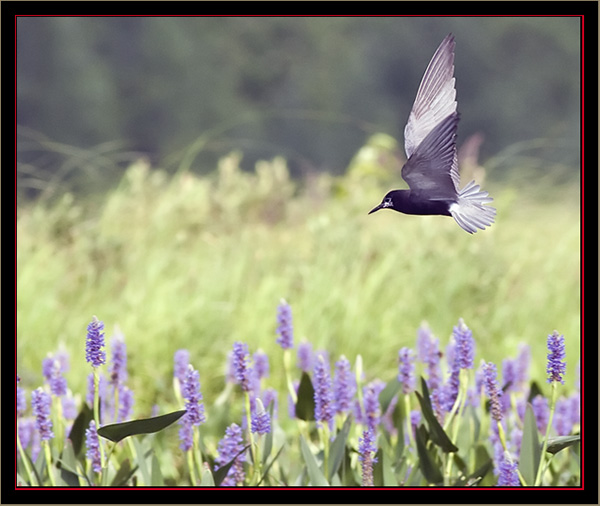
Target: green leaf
[(220, 474), (157, 477), (206, 478), (529, 457), (386, 396), (556, 444), (124, 474), (67, 463), (427, 465), (475, 478), (305, 407), (534, 391), (437, 433), (118, 431), (268, 467), (141, 459), (77, 433), (336, 451), (315, 475)]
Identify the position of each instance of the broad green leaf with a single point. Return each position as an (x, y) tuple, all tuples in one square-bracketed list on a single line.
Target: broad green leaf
[(315, 475), (336, 450), (427, 464), (77, 433), (206, 478), (529, 457), (388, 393), (475, 478), (157, 478), (142, 462), (124, 474), (67, 463), (437, 433), (534, 391), (305, 407), (118, 431), (378, 469), (268, 467), (556, 444)]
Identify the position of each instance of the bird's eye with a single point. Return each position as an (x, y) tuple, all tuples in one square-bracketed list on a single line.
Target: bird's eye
[(387, 201)]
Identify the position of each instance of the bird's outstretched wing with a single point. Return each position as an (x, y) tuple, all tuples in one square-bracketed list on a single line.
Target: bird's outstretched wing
[(435, 101), (429, 168)]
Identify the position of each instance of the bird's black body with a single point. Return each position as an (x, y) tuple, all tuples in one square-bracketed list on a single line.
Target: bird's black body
[(431, 169), (408, 202)]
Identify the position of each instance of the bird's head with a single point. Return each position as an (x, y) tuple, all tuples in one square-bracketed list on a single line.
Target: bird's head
[(388, 201)]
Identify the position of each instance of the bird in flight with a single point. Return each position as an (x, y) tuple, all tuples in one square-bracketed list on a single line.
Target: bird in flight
[(431, 169)]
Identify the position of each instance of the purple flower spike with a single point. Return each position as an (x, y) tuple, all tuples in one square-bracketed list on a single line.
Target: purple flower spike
[(94, 353), (261, 421), (371, 402), (492, 389), (285, 330), (305, 356), (344, 386), (366, 449), (193, 397), (181, 359), (40, 402), (118, 368), (21, 401), (324, 402), (406, 368), (465, 346), (261, 364), (242, 369), (508, 473), (93, 447), (228, 448), (556, 354), (58, 384)]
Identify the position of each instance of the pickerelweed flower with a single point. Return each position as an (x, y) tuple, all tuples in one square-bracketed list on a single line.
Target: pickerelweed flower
[(261, 421), (230, 446), (126, 401), (366, 451), (193, 397), (40, 403), (93, 447), (181, 359), (285, 329), (194, 416), (324, 401), (58, 384), (492, 390), (541, 411), (562, 418), (556, 354), (372, 415), (94, 353), (344, 385), (508, 476), (21, 401), (465, 345), (269, 395), (305, 356), (242, 369), (522, 366), (428, 352), (261, 364), (118, 366), (406, 368)]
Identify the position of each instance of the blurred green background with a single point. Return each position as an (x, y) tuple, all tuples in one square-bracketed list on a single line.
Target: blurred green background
[(178, 176)]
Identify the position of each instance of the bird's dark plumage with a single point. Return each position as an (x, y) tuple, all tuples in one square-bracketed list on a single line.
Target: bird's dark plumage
[(431, 169)]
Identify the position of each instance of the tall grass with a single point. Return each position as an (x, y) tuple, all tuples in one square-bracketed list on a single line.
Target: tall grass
[(198, 263)]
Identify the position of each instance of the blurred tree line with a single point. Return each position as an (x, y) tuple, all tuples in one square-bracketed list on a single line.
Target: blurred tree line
[(95, 93)]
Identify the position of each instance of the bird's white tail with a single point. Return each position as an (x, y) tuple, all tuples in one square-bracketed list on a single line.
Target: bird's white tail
[(470, 212)]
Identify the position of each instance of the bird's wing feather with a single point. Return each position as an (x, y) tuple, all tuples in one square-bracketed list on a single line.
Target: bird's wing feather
[(429, 168), (436, 100)]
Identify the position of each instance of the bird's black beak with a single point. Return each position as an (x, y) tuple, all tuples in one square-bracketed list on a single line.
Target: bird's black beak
[(380, 206)]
